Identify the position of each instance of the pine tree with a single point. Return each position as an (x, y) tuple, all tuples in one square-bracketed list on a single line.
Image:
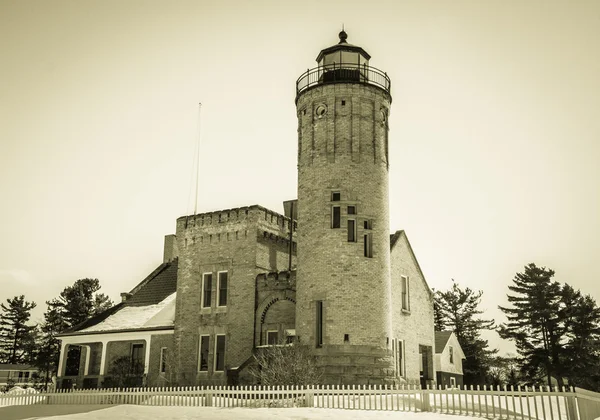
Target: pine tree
[(458, 310), (75, 304), (48, 346), (542, 318), (16, 337), (438, 318), (581, 317), (80, 302)]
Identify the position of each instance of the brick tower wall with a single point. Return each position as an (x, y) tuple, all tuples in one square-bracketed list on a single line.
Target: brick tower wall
[(343, 149)]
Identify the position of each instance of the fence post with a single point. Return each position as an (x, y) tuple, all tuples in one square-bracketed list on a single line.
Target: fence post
[(571, 407), (425, 398), (208, 400), (309, 396)]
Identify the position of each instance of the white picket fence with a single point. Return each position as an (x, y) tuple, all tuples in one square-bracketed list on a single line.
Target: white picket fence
[(500, 403)]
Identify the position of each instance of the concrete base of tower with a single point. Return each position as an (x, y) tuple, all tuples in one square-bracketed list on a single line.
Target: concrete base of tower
[(356, 365)]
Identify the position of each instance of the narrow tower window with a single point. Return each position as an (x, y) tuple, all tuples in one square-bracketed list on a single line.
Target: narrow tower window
[(351, 209), (319, 326), (351, 230), (368, 242), (335, 196), (335, 217)]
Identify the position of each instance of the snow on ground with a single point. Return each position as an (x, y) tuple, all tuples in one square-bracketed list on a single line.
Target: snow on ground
[(132, 412)]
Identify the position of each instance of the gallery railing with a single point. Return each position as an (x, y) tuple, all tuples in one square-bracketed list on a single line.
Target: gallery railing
[(343, 73)]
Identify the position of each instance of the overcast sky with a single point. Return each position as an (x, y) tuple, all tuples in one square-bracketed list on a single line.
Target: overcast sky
[(494, 131)]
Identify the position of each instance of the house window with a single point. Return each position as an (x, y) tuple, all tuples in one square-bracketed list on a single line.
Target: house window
[(368, 245), (453, 382), (335, 196), (451, 354), (335, 217), (405, 294), (220, 353), (137, 358), (222, 297), (368, 224), (206, 290), (163, 360), (351, 210), (319, 323), (290, 336), (351, 230), (272, 338), (203, 353)]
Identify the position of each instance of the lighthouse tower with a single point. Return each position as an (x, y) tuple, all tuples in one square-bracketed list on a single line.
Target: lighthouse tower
[(343, 309)]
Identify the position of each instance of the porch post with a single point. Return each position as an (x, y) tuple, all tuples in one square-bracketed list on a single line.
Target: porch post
[(103, 358), (147, 356), (61, 360), (86, 365)]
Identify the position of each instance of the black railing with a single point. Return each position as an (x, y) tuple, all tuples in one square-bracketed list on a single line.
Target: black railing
[(343, 73)]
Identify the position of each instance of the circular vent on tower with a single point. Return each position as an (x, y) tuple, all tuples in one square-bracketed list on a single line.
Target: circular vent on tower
[(321, 110)]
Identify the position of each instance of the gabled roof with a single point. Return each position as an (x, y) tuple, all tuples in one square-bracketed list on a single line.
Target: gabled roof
[(156, 287), (394, 240), (151, 305), (441, 339)]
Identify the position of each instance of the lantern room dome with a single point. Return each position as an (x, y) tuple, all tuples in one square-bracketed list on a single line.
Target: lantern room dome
[(343, 63), (343, 53)]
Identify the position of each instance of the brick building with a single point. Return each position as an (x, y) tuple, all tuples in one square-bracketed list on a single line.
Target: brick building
[(326, 274)]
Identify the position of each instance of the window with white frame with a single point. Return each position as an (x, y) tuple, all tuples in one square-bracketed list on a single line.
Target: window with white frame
[(163, 360), (220, 353), (203, 349), (206, 290), (272, 337), (222, 290), (453, 382), (405, 293)]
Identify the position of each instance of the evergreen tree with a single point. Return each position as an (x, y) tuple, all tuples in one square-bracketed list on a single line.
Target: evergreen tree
[(80, 302), (533, 322), (581, 317), (438, 318), (458, 310), (48, 346), (555, 328), (75, 304), (16, 337)]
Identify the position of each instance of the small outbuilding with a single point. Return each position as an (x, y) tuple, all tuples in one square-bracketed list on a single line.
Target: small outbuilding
[(448, 359)]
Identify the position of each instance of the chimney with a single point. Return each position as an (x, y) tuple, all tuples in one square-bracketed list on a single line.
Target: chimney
[(170, 252), (290, 209)]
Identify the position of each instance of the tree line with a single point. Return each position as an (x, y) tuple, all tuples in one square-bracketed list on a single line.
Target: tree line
[(37, 345), (555, 328)]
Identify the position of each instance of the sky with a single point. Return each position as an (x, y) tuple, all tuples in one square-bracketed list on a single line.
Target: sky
[(494, 131)]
